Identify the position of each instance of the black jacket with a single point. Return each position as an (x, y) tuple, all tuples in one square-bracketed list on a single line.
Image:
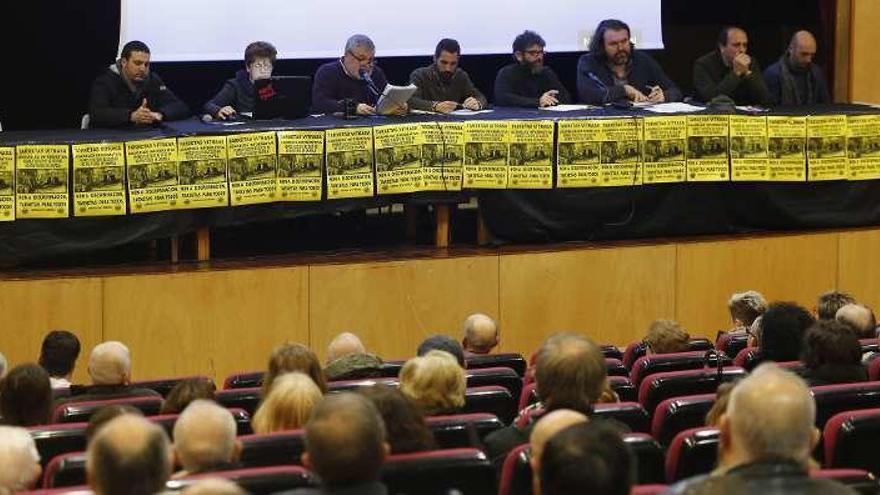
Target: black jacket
[(237, 93), (713, 78), (829, 374), (112, 102), (778, 477), (644, 72), (517, 86)]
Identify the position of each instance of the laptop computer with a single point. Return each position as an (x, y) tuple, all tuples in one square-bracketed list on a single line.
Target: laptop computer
[(286, 97)]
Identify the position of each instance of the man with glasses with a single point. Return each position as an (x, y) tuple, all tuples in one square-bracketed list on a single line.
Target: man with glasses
[(443, 86), (355, 76), (528, 82), (237, 94)]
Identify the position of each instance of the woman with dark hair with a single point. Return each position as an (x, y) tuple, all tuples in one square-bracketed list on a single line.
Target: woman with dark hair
[(832, 354), (26, 396), (782, 332), (405, 425), (291, 357), (185, 392)]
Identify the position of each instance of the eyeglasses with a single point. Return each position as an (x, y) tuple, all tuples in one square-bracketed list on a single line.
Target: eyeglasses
[(368, 60), (263, 65), (535, 53)]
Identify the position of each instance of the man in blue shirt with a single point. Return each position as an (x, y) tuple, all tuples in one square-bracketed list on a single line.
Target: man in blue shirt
[(794, 79)]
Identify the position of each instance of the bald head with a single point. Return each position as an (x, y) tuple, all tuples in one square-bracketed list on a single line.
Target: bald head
[(549, 425), (214, 486), (110, 364), (204, 436), (860, 318), (344, 344), (19, 460), (128, 455), (480, 334), (802, 49)]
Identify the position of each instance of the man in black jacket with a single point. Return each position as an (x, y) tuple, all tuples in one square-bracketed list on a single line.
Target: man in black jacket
[(729, 71), (443, 86), (528, 82), (128, 94)]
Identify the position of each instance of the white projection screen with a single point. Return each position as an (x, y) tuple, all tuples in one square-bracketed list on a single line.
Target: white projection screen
[(202, 30)]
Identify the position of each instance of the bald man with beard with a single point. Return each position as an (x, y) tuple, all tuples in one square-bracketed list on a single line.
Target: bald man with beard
[(794, 80)]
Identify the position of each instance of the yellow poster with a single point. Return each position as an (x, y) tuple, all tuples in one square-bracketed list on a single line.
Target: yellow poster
[(398, 158), (98, 179), (300, 165), (41, 180), (349, 162), (7, 182), (665, 148), (252, 168), (826, 147), (863, 146), (577, 153), (485, 154), (620, 152), (152, 175), (786, 143), (442, 155), (707, 148), (203, 181), (748, 148), (531, 155)]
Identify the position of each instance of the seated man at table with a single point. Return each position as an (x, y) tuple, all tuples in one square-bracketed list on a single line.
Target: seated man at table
[(129, 94), (794, 79), (528, 82), (729, 71), (443, 86), (613, 70), (237, 94), (355, 76)]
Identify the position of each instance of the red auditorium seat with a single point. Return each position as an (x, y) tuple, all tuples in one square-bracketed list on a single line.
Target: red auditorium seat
[(614, 367), (693, 451), (65, 470), (638, 349), (492, 399), (834, 399), (512, 360), (661, 386), (75, 412), (463, 430), (870, 345), (499, 375), (851, 439), (648, 489), (631, 414), (56, 439), (349, 385), (440, 471), (516, 472), (256, 481), (272, 449), (747, 358), (244, 379), (611, 351), (163, 386), (731, 343), (874, 369), (619, 384), (678, 414), (240, 398), (677, 361), (861, 481)]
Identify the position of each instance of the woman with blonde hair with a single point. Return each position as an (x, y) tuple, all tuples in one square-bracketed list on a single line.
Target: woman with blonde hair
[(288, 405), (290, 357), (665, 336), (434, 382)]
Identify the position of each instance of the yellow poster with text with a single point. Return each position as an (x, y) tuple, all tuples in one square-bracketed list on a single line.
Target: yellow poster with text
[(300, 165), (41, 180), (152, 175), (442, 155), (620, 152), (98, 179), (577, 153), (349, 162), (748, 148), (786, 143), (398, 158), (863, 146), (485, 154), (707, 148), (203, 182), (253, 168), (531, 154), (665, 149), (7, 183), (826, 147)]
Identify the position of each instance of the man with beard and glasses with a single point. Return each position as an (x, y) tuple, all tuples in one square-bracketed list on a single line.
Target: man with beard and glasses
[(528, 82), (613, 71), (794, 79), (443, 86)]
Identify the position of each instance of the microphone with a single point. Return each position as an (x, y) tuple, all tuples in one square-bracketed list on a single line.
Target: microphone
[(369, 80)]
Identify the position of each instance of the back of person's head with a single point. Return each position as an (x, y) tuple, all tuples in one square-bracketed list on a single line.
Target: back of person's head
[(830, 342), (344, 344), (435, 382), (719, 407), (859, 318), (259, 49), (783, 326), (447, 45), (182, 394), (204, 436), (526, 39), (26, 396), (3, 365), (129, 455), (288, 405), (545, 428), (405, 424), (290, 357), (829, 302), (104, 415), (744, 307), (59, 353), (480, 333), (345, 440), (214, 486), (133, 46), (19, 460), (586, 458), (597, 42), (665, 336), (570, 372), (442, 343), (110, 364)]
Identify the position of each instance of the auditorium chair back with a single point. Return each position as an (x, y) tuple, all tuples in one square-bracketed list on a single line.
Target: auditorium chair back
[(732, 343), (164, 386), (272, 449), (635, 350), (870, 345), (256, 481), (619, 384), (747, 358), (516, 472), (676, 361), (860, 481), (874, 369), (56, 439), (351, 385), (244, 379), (611, 351), (65, 470), (462, 430), (246, 399), (834, 399), (76, 412), (512, 360), (631, 414), (851, 440), (614, 367), (499, 375), (678, 414), (661, 386), (492, 399), (438, 472), (648, 456), (693, 451)]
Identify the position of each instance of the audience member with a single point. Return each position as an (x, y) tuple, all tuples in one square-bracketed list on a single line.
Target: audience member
[(204, 439), (405, 424), (783, 326), (832, 354), (719, 407), (347, 358), (104, 415), (288, 405), (19, 460), (587, 458), (859, 318), (213, 486), (3, 365), (744, 307), (665, 336), (58, 356), (435, 382), (129, 455), (829, 302), (182, 394), (794, 79), (730, 72), (442, 343), (545, 428), (237, 94), (290, 357), (25, 396), (110, 370), (528, 82), (754, 332), (443, 86), (480, 335)]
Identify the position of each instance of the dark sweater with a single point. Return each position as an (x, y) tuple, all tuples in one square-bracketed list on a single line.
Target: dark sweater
[(644, 72), (517, 86), (237, 93), (112, 101), (796, 86), (332, 85), (433, 89), (713, 78)]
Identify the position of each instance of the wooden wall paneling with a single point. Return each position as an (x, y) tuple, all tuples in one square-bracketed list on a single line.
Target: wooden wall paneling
[(860, 266), (865, 58)]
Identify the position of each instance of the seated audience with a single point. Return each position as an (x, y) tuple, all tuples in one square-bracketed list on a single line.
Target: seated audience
[(204, 439), (128, 94), (545, 428), (830, 302), (104, 415), (345, 447), (767, 436), (744, 307), (237, 94), (129, 455), (480, 335), (347, 359), (182, 394), (19, 460), (58, 355), (794, 79), (783, 326), (405, 424), (110, 370), (832, 354), (443, 85), (288, 405), (25, 396), (442, 343), (665, 336), (290, 357), (586, 458), (729, 71), (754, 332), (719, 407), (528, 82), (213, 486), (435, 383), (859, 318)]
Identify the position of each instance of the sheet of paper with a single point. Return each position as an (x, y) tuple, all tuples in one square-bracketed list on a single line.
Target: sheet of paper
[(567, 108), (463, 112), (674, 107), (394, 96)]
